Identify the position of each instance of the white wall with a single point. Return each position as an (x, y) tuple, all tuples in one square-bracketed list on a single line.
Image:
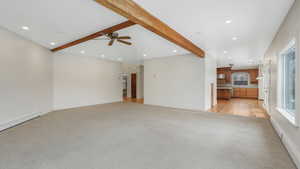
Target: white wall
[(25, 79), (210, 78), (289, 29), (34, 81), (141, 81), (81, 81), (176, 81), (261, 90)]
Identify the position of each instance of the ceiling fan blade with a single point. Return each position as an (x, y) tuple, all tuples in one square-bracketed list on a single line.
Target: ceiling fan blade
[(125, 42), (124, 37), (111, 42)]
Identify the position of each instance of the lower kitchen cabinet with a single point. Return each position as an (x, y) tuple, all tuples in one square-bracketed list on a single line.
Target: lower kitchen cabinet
[(224, 94), (245, 93), (252, 92), (236, 92)]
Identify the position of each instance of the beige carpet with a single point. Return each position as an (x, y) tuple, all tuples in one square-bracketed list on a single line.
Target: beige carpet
[(135, 136)]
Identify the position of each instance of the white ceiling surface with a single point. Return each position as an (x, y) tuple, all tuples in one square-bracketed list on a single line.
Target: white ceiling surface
[(143, 41), (254, 22)]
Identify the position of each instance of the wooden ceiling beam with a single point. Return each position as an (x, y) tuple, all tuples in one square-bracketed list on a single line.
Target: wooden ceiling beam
[(137, 14), (95, 35)]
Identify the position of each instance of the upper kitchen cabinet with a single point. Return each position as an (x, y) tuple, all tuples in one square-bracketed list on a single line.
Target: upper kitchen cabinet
[(228, 76), (253, 75), (224, 75)]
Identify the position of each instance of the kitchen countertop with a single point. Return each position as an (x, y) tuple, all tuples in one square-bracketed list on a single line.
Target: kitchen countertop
[(230, 86), (248, 86), (224, 88)]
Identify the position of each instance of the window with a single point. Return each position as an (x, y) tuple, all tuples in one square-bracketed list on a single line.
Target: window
[(240, 78), (287, 82)]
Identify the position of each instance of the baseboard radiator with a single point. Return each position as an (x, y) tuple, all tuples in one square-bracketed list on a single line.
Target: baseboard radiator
[(20, 120), (288, 143)]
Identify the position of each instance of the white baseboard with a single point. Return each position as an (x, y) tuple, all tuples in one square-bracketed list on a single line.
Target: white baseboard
[(20, 120), (60, 108), (290, 146), (27, 117)]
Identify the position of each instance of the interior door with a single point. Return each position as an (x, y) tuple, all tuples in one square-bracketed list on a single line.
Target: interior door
[(133, 85)]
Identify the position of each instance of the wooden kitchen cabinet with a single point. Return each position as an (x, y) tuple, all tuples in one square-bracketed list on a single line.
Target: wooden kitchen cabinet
[(236, 92), (228, 76), (245, 93), (224, 94), (239, 92), (253, 75), (252, 93), (227, 72)]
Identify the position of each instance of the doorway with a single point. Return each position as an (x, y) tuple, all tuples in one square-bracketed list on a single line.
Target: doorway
[(133, 83), (238, 92), (124, 84)]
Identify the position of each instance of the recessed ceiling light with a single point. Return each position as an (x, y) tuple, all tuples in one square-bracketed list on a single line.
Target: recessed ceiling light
[(52, 43), (174, 51), (225, 51), (82, 52), (234, 38), (120, 59), (102, 56), (228, 21), (26, 28), (144, 55)]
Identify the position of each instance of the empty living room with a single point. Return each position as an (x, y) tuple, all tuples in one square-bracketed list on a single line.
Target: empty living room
[(140, 84)]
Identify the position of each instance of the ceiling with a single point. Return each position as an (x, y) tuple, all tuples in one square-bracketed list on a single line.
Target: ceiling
[(253, 22)]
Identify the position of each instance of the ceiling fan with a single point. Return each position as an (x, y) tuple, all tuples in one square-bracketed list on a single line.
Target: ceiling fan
[(115, 36)]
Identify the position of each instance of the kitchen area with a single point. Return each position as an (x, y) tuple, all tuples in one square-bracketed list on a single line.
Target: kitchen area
[(237, 83), (238, 92)]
